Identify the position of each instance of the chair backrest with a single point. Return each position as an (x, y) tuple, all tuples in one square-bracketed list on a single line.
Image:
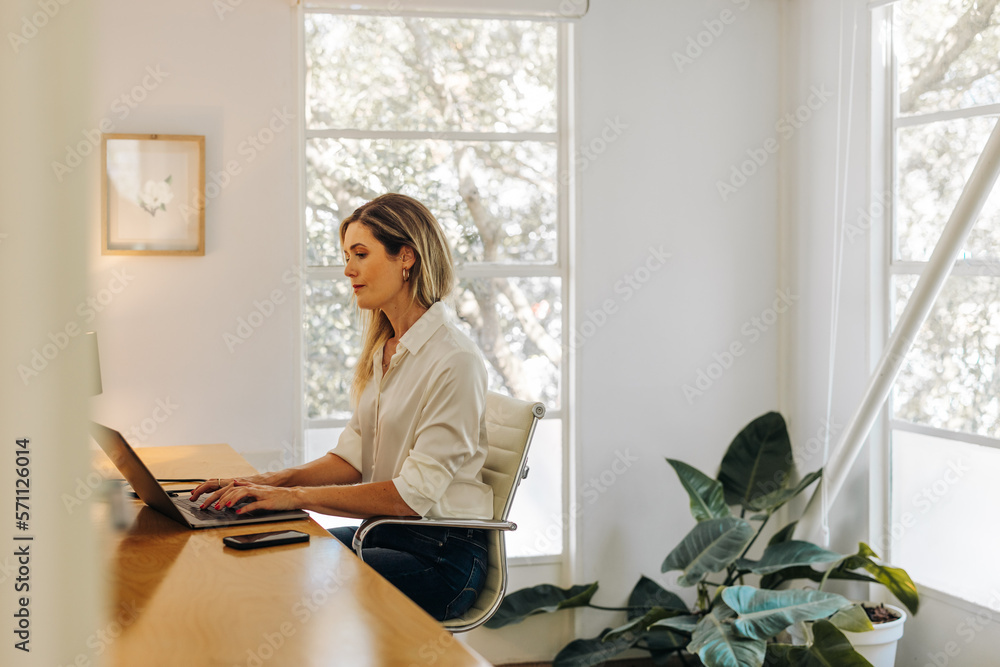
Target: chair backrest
[(510, 423)]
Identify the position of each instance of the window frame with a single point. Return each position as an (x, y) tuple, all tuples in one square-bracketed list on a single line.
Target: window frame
[(560, 268), (884, 266)]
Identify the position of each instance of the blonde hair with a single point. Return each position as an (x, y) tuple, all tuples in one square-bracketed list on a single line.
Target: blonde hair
[(396, 221)]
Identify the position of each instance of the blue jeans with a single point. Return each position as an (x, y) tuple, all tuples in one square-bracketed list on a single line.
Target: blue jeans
[(441, 569)]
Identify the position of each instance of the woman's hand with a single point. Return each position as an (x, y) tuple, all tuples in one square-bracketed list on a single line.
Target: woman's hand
[(215, 486), (218, 484), (261, 497)]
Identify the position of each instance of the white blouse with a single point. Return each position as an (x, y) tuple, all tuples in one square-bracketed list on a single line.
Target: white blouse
[(422, 424)]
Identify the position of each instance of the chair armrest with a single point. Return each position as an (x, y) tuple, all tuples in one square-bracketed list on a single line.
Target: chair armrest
[(368, 524)]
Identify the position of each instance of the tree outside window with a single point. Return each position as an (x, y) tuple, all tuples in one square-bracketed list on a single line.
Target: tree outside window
[(462, 114)]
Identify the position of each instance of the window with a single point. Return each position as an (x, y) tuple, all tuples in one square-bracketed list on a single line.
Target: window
[(943, 77), (464, 115)]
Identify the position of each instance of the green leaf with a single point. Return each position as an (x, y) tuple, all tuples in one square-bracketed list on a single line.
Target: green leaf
[(648, 594), (588, 652), (830, 648), (544, 598), (774, 500), (718, 646), (852, 619), (664, 639), (805, 572), (707, 498), (711, 546), (895, 579), (665, 658), (758, 462), (685, 623), (763, 614), (784, 534), (794, 553), (639, 625)]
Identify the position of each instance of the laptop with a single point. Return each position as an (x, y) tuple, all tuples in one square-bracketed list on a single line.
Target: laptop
[(181, 509)]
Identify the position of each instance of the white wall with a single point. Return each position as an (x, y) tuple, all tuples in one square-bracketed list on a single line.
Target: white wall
[(656, 187), (169, 375)]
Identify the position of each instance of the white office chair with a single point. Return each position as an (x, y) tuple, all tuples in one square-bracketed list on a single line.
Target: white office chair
[(510, 424)]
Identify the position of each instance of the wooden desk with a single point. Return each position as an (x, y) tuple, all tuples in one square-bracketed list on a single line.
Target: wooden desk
[(180, 598)]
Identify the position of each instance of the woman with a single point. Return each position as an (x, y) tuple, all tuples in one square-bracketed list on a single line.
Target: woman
[(416, 443)]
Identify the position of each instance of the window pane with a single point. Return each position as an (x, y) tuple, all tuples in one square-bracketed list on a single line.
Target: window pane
[(946, 52), (940, 492), (321, 440), (933, 164), (950, 380), (537, 508), (517, 323), (495, 200), (333, 342), (393, 73)]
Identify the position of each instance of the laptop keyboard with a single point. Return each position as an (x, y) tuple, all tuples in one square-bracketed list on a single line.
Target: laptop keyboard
[(227, 515)]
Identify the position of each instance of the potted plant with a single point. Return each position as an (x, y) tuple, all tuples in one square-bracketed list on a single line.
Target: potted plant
[(743, 607)]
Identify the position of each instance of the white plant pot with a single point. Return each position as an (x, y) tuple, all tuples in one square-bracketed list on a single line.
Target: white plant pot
[(878, 646)]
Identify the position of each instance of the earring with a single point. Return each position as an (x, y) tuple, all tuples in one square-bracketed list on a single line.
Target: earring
[(406, 274)]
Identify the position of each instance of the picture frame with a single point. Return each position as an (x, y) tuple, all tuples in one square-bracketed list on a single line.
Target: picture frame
[(152, 194)]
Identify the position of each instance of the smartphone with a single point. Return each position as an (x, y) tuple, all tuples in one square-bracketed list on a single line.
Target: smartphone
[(258, 540)]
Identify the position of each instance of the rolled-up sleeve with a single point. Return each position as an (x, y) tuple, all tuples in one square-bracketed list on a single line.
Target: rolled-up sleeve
[(349, 444), (448, 430)]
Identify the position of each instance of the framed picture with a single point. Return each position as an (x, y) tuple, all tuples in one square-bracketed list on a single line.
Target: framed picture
[(152, 194)]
